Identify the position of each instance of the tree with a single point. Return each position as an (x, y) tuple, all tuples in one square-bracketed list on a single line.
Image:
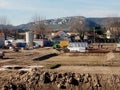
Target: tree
[(114, 27), (77, 24), (3, 25), (6, 28), (39, 26), (99, 30)]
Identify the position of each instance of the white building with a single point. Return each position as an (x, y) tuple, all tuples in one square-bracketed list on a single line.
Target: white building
[(29, 38), (108, 34)]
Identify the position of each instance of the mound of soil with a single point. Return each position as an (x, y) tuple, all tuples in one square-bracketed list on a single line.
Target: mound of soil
[(44, 80)]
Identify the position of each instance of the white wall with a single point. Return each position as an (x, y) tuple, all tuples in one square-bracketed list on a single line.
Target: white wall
[(29, 37)]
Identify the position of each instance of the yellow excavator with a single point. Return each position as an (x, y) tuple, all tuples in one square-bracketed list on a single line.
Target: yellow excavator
[(61, 46)]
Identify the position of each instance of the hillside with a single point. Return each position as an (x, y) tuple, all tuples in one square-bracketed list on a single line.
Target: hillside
[(64, 23)]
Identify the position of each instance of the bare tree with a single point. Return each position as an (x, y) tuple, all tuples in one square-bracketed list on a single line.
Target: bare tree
[(77, 24), (39, 26), (3, 25), (114, 27), (7, 28), (4, 20)]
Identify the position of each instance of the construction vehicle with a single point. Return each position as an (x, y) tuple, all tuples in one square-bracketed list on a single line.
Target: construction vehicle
[(64, 44), (61, 46)]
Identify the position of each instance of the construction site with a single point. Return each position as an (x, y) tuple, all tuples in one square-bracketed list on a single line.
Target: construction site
[(61, 66)]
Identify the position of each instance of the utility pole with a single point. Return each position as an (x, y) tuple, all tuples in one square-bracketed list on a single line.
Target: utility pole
[(94, 34)]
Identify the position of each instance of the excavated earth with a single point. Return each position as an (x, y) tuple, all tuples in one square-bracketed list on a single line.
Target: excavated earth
[(26, 70)]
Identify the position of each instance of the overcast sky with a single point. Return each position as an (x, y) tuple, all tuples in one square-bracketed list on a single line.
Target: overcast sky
[(21, 11)]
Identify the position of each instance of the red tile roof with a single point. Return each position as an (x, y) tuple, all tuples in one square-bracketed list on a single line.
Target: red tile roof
[(1, 35)]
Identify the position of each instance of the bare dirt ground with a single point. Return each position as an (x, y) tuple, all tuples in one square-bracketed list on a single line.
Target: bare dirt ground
[(93, 63), (110, 61)]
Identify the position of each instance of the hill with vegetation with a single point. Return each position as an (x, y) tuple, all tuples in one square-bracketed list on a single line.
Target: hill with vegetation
[(64, 22)]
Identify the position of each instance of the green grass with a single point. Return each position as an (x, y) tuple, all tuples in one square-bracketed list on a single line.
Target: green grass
[(53, 66)]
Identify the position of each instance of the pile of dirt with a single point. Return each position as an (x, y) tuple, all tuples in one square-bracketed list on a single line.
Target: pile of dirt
[(44, 80)]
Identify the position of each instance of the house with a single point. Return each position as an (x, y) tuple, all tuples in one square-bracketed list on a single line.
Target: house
[(108, 34), (72, 33), (60, 35), (43, 34)]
